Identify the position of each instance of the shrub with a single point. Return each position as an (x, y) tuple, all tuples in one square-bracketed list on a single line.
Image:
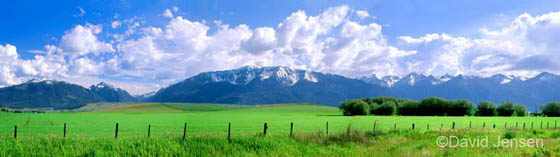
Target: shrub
[(460, 108), (432, 106), (551, 109), (387, 108), (408, 108), (509, 135), (382, 99), (505, 109), (486, 108), (520, 110), (534, 114), (372, 106), (354, 107)]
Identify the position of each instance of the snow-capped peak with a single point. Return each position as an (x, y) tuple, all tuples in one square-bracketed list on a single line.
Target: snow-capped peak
[(545, 76), (390, 80), (503, 79), (246, 74), (444, 78), (372, 79), (287, 76), (103, 85), (41, 80)]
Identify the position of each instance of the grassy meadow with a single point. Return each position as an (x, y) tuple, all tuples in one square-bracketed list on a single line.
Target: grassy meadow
[(92, 132)]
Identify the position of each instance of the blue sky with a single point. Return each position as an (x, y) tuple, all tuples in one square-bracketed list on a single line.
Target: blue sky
[(418, 36), (32, 24)]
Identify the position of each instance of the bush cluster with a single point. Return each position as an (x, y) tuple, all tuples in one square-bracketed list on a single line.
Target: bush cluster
[(431, 106), (506, 109), (354, 107), (551, 109)]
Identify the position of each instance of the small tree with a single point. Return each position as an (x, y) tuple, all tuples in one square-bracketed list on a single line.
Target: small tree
[(408, 108), (432, 106), (460, 108), (387, 108), (506, 109), (486, 108), (551, 109), (372, 106), (354, 107), (520, 110)]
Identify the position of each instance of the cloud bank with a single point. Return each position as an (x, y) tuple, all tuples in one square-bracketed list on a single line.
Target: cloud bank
[(143, 58)]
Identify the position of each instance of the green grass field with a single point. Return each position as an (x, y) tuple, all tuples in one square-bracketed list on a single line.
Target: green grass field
[(208, 123)]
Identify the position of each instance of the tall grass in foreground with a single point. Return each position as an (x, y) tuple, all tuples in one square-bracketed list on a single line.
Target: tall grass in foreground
[(348, 143)]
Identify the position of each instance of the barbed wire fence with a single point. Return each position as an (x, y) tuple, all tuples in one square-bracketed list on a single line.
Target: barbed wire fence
[(66, 130)]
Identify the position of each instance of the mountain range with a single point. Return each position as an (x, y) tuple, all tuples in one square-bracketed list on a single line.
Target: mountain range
[(53, 94), (268, 85), (251, 85)]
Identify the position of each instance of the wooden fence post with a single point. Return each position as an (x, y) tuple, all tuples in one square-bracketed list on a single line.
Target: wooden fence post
[(327, 129), (483, 125), (15, 131), (116, 130), (470, 124), (412, 126), (494, 126), (441, 127), (64, 130), (229, 131), (427, 126), (374, 125), (185, 132), (291, 129), (264, 129), (395, 127), (453, 127), (149, 130), (505, 125)]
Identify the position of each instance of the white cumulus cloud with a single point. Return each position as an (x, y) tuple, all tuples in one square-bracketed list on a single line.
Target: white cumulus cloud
[(332, 41)]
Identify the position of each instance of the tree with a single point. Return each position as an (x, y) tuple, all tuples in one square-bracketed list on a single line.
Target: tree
[(486, 108), (551, 109), (408, 108), (520, 110), (506, 109), (354, 107), (387, 108), (372, 106), (432, 106), (382, 99), (460, 108)]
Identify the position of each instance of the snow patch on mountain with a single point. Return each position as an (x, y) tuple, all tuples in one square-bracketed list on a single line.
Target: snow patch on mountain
[(309, 77), (389, 81), (246, 74)]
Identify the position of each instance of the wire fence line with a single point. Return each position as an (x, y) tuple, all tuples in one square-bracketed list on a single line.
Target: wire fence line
[(169, 130)]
